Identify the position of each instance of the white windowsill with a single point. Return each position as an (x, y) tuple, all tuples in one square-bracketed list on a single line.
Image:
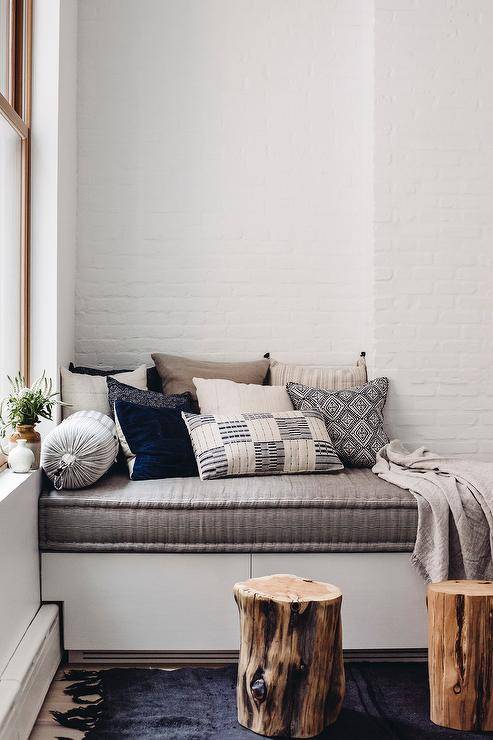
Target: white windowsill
[(10, 481)]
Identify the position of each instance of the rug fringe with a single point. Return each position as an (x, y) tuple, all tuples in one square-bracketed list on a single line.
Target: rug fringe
[(87, 716), (81, 675), (84, 689)]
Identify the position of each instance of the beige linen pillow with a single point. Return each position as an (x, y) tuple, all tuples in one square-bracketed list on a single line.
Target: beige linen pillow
[(177, 373), (90, 392), (329, 378), (228, 397)]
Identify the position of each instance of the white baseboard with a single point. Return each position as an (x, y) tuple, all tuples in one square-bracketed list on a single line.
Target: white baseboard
[(27, 677)]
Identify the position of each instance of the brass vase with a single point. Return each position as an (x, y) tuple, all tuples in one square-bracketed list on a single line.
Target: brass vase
[(33, 440)]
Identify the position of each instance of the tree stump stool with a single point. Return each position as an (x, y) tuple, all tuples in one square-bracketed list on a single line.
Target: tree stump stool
[(460, 654), (291, 672)]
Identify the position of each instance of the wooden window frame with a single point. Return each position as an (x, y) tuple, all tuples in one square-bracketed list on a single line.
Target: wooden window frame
[(16, 109)]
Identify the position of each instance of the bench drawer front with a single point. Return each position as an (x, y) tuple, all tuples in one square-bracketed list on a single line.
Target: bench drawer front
[(383, 604), (139, 601)]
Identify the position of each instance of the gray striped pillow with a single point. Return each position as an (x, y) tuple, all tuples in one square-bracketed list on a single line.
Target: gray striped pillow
[(263, 443), (329, 378), (81, 449)]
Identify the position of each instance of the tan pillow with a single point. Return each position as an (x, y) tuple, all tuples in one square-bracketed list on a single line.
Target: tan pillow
[(177, 373), (329, 378), (90, 392), (228, 397)]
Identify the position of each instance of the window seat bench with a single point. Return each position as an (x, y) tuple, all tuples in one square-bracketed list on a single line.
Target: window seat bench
[(149, 566)]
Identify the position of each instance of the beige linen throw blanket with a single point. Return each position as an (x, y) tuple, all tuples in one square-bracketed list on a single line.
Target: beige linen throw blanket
[(455, 510)]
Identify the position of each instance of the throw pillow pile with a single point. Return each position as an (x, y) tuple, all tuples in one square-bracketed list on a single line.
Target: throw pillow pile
[(246, 424)]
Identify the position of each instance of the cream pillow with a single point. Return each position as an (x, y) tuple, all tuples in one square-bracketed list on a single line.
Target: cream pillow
[(228, 397), (90, 392)]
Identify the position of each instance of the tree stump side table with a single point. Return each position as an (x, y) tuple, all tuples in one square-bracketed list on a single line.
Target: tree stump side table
[(291, 672), (460, 654)]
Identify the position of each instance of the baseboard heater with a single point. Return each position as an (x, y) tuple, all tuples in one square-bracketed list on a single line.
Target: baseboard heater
[(177, 658), (27, 676)]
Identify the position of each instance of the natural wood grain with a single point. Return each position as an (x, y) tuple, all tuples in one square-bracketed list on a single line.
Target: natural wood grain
[(25, 256), (460, 654), (17, 99), (26, 94), (12, 117), (16, 109), (12, 51), (28, 43), (290, 673)]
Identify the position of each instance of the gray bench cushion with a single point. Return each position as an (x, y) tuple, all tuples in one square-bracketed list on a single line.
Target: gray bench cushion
[(347, 511)]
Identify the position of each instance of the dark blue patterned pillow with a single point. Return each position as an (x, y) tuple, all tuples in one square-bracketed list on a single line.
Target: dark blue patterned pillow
[(122, 392), (155, 442)]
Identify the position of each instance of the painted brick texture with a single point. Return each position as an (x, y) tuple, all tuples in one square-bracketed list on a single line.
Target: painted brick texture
[(224, 203), (310, 178), (433, 257)]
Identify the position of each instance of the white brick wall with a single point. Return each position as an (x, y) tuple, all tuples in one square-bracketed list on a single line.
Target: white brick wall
[(310, 178), (224, 179), (434, 220)]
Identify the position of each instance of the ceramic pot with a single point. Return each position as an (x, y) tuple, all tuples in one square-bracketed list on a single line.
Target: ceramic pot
[(21, 458), (33, 440)]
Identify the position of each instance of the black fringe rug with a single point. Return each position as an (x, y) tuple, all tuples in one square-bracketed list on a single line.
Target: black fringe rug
[(384, 701)]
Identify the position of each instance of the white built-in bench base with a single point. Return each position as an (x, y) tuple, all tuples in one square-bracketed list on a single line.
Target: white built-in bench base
[(184, 602)]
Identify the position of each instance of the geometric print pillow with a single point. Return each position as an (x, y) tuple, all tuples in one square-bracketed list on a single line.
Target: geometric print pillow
[(262, 443), (354, 417)]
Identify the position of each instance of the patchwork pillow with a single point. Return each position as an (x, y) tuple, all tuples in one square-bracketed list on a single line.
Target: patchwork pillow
[(121, 392), (153, 379), (261, 444), (228, 397), (81, 449), (155, 442), (177, 373), (89, 392), (354, 418), (330, 378)]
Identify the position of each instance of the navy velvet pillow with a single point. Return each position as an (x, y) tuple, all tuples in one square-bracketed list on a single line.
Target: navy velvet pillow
[(155, 442), (153, 380), (122, 392)]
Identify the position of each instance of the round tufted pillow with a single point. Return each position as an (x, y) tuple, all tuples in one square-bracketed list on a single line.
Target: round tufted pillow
[(79, 450)]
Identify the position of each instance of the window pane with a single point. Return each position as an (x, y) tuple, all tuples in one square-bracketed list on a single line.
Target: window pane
[(4, 47), (10, 252)]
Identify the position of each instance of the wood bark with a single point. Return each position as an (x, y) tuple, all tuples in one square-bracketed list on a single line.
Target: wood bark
[(460, 654), (291, 673)]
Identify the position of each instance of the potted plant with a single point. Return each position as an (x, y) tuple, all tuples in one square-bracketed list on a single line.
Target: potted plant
[(23, 408)]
